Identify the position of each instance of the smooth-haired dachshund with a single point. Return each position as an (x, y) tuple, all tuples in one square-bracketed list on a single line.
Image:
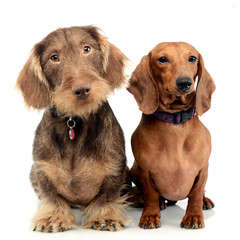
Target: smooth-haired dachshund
[(170, 145)]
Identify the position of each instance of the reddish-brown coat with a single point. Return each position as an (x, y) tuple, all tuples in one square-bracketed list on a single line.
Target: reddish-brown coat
[(171, 160)]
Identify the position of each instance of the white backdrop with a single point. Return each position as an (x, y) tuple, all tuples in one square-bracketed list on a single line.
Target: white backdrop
[(212, 27)]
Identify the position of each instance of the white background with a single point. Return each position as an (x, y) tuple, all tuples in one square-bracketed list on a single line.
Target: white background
[(212, 27)]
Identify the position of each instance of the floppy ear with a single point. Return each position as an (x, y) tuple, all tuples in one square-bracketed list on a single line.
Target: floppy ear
[(205, 88), (32, 82), (114, 61), (144, 88)]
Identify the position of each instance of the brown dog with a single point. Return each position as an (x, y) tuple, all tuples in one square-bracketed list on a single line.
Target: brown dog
[(171, 146), (78, 151)]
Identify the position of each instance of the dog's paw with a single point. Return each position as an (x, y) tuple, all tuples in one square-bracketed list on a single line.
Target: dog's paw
[(192, 222), (207, 203), (150, 222), (57, 225), (107, 225), (50, 218), (162, 204)]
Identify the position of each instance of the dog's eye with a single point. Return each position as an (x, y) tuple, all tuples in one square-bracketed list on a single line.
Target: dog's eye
[(86, 49), (192, 59), (55, 58), (163, 60)]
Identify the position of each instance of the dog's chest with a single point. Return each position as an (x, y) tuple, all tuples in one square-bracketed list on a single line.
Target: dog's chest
[(174, 158), (177, 166), (174, 179), (81, 184)]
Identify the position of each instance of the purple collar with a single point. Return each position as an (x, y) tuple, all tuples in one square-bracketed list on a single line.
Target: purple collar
[(175, 118)]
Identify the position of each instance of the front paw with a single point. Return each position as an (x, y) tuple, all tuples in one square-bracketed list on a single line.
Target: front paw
[(207, 203), (107, 225), (50, 218), (192, 222), (56, 225), (150, 221)]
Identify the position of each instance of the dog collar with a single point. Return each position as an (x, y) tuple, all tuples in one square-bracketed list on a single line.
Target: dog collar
[(71, 123), (175, 118), (55, 113)]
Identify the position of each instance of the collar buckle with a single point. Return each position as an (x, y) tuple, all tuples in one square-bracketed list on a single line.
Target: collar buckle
[(176, 118)]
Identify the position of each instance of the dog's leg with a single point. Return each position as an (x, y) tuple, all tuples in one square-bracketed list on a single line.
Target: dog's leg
[(136, 193), (136, 198), (106, 211), (54, 214), (151, 213), (193, 218)]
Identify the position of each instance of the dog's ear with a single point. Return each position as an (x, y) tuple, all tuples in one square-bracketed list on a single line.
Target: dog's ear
[(114, 61), (144, 88), (32, 82), (205, 88)]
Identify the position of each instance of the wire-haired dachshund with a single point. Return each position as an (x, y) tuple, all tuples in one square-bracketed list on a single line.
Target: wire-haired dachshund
[(170, 145), (78, 150)]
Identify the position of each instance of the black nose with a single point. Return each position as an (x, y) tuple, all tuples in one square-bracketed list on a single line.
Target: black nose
[(82, 91), (184, 83)]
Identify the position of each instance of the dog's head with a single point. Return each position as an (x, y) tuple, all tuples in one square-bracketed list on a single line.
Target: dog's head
[(169, 71), (73, 69)]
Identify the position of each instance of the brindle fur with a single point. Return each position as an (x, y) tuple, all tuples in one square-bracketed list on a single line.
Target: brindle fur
[(96, 149), (89, 171)]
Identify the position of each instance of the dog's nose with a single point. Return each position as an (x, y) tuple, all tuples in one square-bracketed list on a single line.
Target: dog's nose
[(82, 91), (184, 83)]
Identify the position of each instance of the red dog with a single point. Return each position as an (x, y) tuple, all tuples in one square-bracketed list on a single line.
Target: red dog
[(171, 146)]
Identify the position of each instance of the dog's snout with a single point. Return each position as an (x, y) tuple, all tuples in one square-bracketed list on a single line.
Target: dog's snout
[(184, 83), (82, 91)]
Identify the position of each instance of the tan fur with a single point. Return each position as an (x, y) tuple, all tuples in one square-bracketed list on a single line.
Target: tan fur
[(109, 216), (64, 177), (71, 72), (32, 84), (54, 217), (64, 100), (104, 45), (35, 66)]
